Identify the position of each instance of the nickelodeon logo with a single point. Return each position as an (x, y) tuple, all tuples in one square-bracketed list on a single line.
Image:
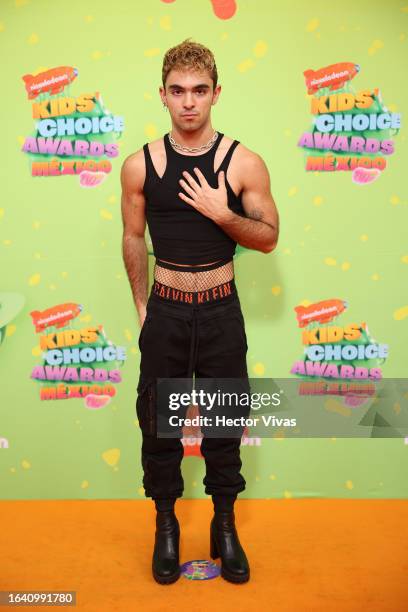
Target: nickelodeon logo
[(192, 444)]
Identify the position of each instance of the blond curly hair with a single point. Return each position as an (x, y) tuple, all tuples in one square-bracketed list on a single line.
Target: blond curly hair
[(189, 55)]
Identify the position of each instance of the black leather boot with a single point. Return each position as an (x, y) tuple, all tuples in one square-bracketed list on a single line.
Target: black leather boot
[(165, 563), (224, 543)]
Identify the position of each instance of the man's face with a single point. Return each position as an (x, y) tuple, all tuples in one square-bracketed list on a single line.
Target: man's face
[(189, 96)]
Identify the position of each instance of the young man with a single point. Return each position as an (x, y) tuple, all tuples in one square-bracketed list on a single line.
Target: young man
[(201, 192)]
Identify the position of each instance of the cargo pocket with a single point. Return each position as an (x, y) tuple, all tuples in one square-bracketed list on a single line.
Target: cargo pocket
[(143, 330), (146, 407)]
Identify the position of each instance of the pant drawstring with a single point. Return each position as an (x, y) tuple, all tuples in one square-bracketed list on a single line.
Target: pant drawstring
[(193, 344)]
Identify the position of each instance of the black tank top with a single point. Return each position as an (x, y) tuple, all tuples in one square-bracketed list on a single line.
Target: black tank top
[(178, 231)]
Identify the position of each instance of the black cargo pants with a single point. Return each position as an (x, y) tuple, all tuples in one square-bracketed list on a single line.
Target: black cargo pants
[(183, 333)]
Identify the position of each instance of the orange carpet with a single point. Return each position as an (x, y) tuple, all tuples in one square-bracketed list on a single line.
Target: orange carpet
[(305, 555)]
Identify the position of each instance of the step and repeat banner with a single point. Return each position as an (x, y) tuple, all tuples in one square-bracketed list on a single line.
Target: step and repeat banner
[(316, 90)]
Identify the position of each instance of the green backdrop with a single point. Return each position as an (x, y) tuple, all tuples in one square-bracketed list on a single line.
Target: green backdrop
[(62, 243)]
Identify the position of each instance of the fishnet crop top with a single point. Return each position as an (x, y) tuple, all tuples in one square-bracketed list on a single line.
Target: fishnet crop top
[(194, 278)]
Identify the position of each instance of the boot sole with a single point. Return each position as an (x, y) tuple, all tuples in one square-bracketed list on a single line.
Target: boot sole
[(234, 578), (166, 579)]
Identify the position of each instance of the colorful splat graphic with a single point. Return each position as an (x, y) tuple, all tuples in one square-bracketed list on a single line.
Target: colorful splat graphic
[(223, 9)]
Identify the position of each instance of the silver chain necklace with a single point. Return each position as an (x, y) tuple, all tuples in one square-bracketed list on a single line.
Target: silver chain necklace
[(180, 147)]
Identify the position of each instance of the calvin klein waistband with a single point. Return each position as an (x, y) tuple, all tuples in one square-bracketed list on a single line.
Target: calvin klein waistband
[(214, 294)]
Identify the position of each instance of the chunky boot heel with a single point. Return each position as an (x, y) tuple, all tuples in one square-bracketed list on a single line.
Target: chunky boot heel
[(165, 562), (225, 544), (213, 547)]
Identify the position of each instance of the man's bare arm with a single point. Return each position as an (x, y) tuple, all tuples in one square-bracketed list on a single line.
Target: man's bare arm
[(259, 229), (134, 249)]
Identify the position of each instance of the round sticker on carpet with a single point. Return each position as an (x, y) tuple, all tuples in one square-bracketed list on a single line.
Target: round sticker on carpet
[(200, 570)]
